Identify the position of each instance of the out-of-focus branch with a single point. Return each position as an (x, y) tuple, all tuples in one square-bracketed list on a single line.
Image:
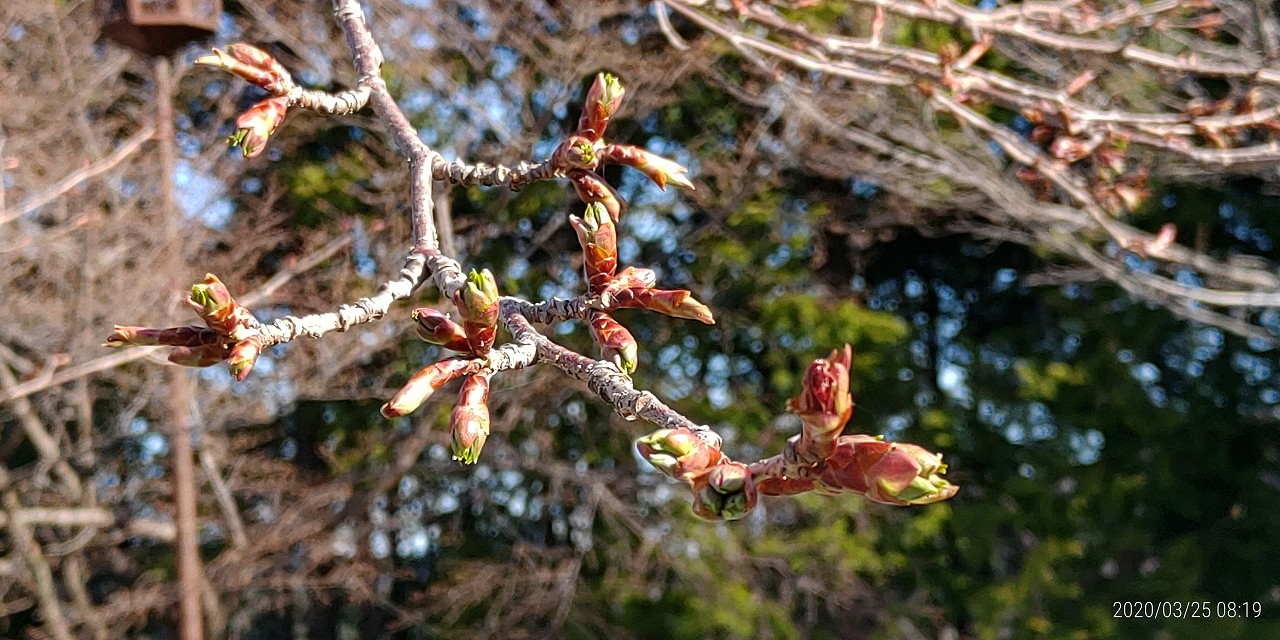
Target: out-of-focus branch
[(24, 542), (108, 362), (1235, 132), (122, 152)]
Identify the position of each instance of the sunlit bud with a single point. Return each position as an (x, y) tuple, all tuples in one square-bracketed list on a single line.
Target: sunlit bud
[(592, 188), (424, 383), (658, 169), (677, 303), (895, 473), (724, 492), (243, 356), (576, 152), (252, 64), (436, 328), (477, 303), (171, 337), (678, 452), (218, 309), (255, 126), (469, 423), (824, 406), (603, 99), (599, 239), (205, 356), (616, 343)]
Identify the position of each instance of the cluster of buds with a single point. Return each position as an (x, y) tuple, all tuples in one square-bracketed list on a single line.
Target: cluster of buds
[(580, 156), (477, 303), (256, 125), (722, 489), (819, 459), (633, 288), (231, 334), (1103, 161)]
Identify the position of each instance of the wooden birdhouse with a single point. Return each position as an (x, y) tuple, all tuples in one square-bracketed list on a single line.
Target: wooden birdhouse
[(160, 27)]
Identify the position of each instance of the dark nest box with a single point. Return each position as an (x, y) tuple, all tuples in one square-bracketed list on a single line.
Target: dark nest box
[(160, 27)]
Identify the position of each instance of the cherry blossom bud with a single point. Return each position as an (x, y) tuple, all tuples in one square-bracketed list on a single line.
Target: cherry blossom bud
[(658, 169), (424, 383), (469, 423), (436, 328), (678, 453), (477, 302), (576, 152), (255, 126), (617, 345), (171, 337), (592, 188), (603, 99), (896, 473), (243, 356), (824, 406), (724, 492), (252, 64), (599, 239), (219, 309)]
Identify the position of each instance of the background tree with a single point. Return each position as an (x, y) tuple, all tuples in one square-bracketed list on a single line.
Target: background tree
[(1110, 449)]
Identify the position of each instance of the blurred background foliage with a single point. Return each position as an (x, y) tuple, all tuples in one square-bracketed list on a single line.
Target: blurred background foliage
[(1107, 451)]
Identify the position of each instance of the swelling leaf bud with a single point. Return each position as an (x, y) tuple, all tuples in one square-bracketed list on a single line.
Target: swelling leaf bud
[(896, 473), (436, 328), (617, 345), (255, 126), (219, 310), (724, 492), (592, 188), (477, 303), (599, 240), (205, 356), (603, 99), (677, 303), (424, 383), (824, 406), (252, 64), (657, 168), (678, 453), (171, 337), (469, 423)]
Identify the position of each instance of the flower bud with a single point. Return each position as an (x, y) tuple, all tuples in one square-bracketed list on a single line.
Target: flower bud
[(724, 492), (469, 423), (603, 99), (424, 383), (592, 188), (171, 337), (255, 126), (617, 345), (824, 406), (678, 453), (576, 152), (477, 303), (219, 310), (896, 473), (252, 64), (243, 356), (436, 328), (657, 168), (599, 239)]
